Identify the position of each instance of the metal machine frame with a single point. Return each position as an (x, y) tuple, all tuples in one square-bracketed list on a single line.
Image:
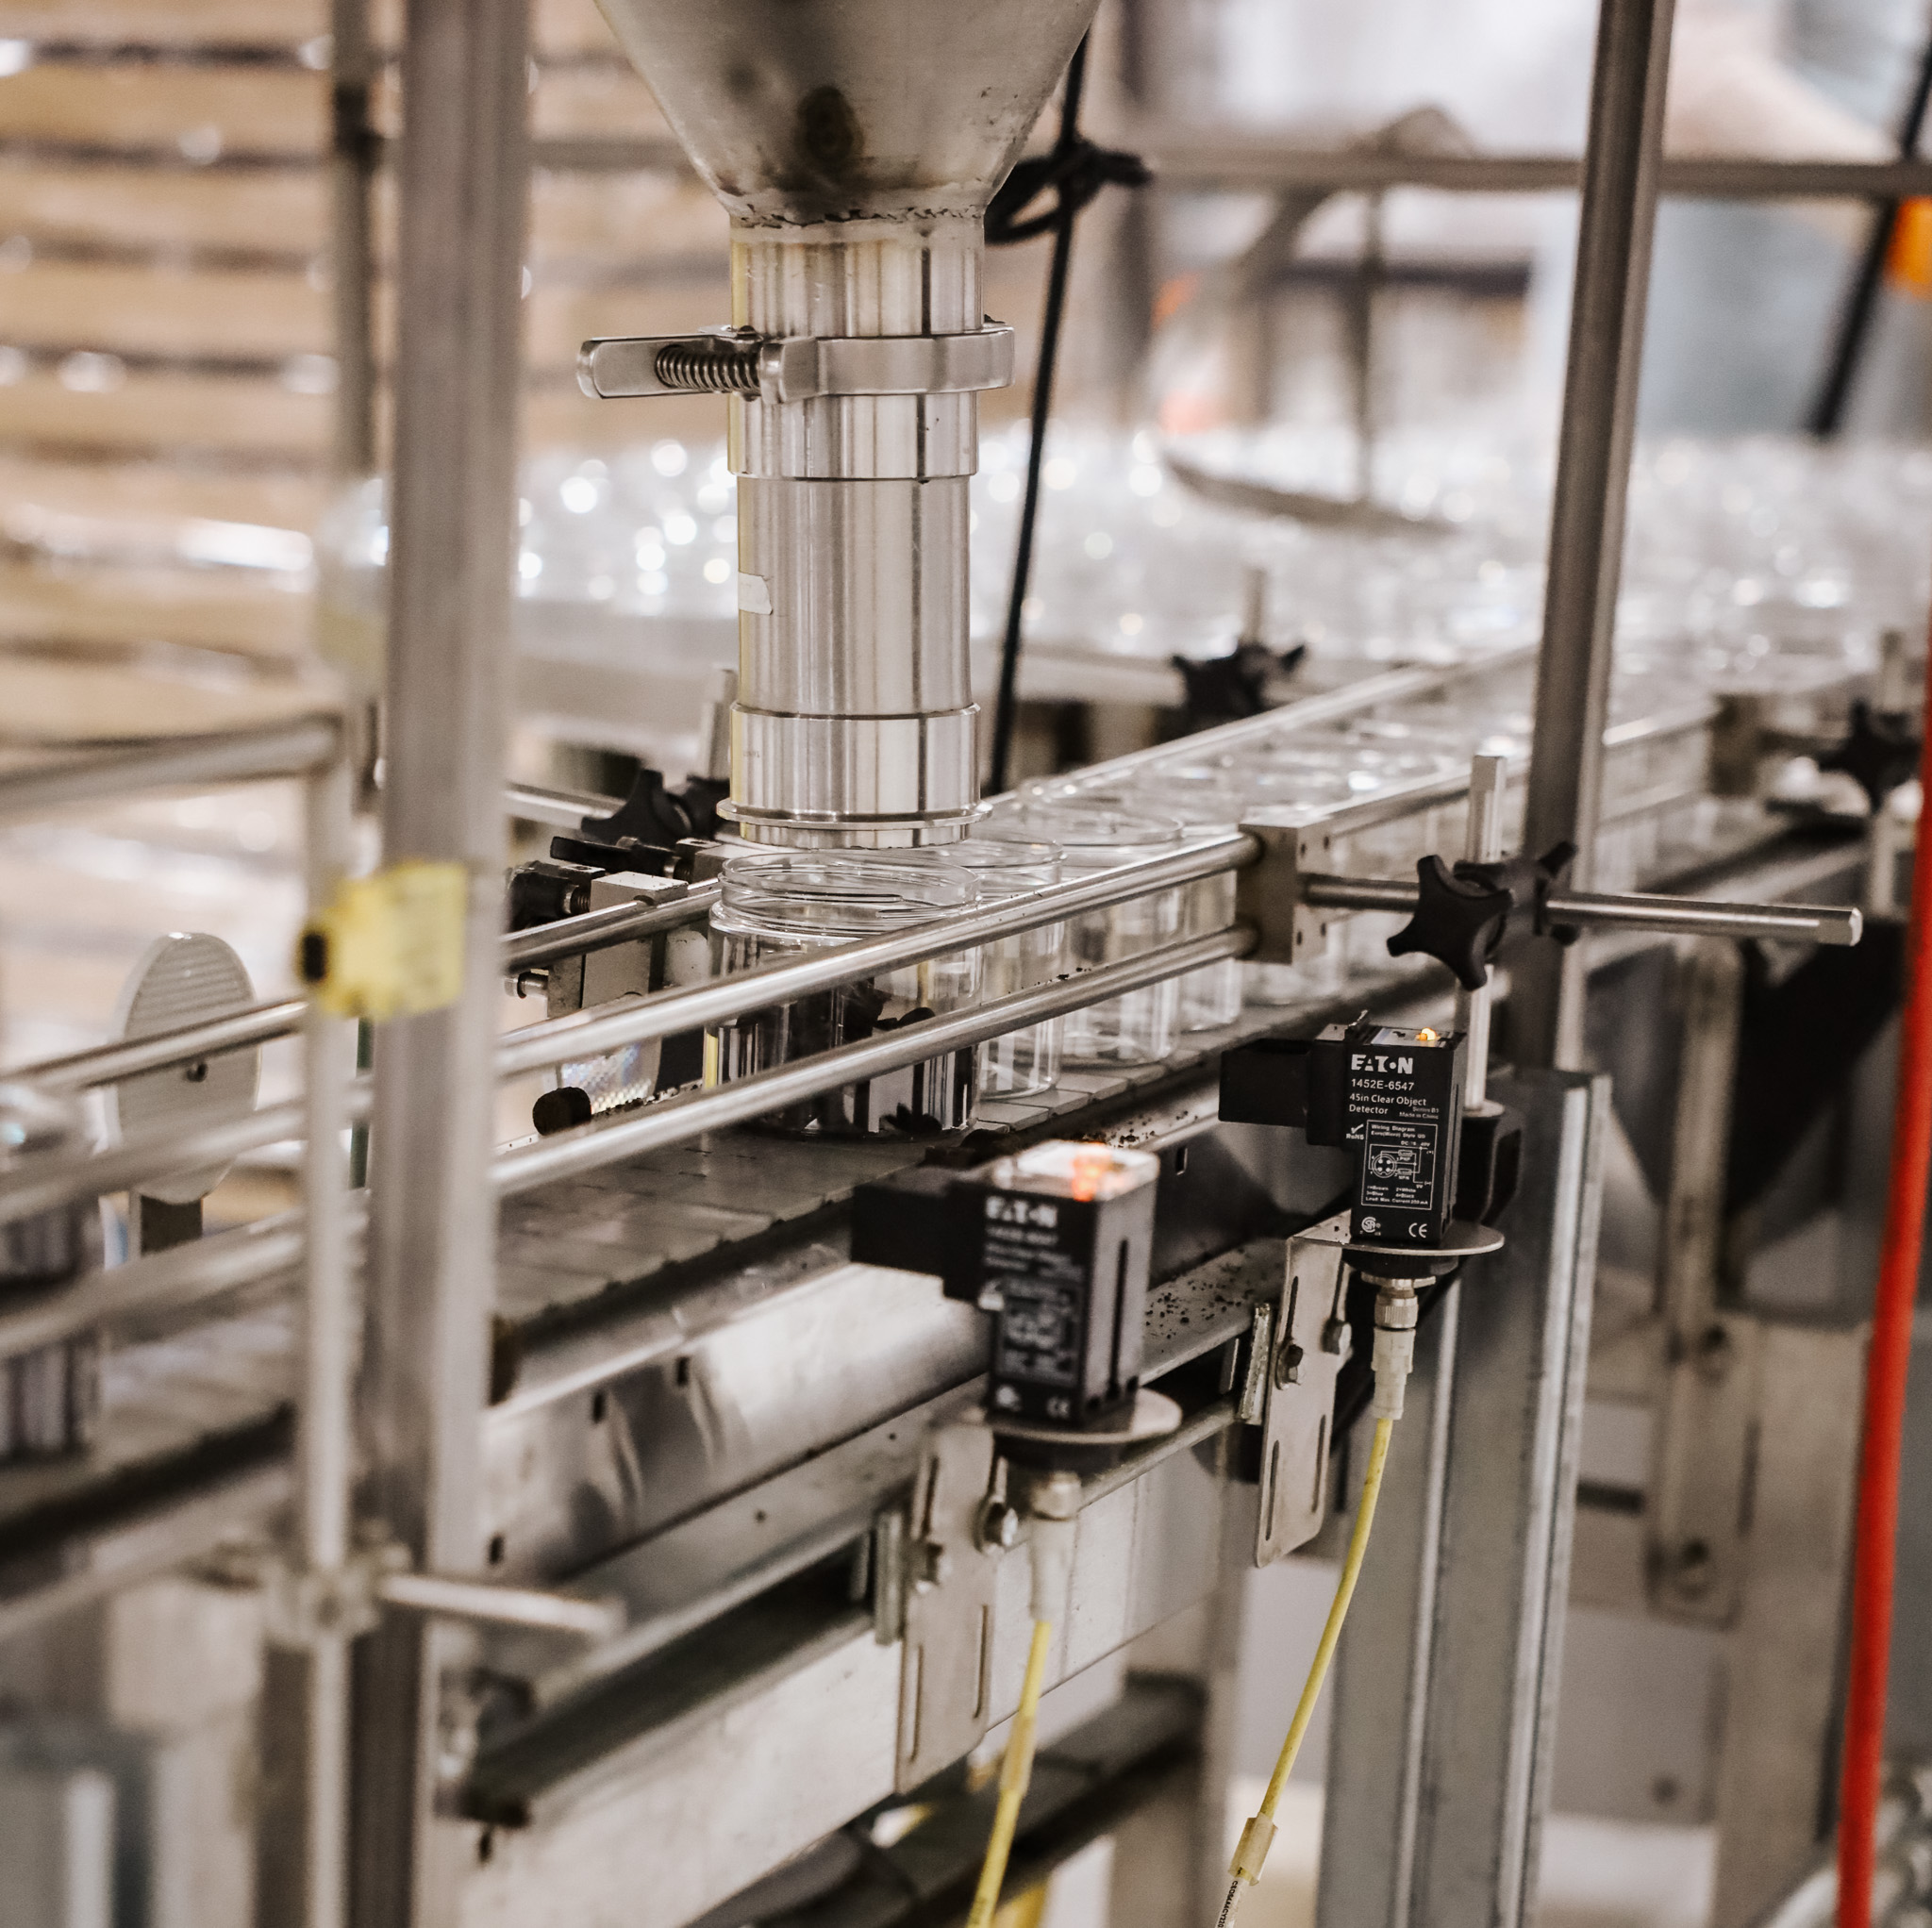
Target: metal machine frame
[(547, 1666)]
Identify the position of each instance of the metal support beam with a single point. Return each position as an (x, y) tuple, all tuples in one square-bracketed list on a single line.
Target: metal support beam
[(1382, 1669), (305, 1839), (1509, 1509), (355, 153), (1777, 1769), (1444, 1718), (1172, 1865), (432, 1238), (1617, 213), (1700, 1477)]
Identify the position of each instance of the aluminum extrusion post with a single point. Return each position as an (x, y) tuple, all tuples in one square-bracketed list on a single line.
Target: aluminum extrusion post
[(1617, 213), (1509, 1510), (432, 1236), (1382, 1667), (1444, 1719)]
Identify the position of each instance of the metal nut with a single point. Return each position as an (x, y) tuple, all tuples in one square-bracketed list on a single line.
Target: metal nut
[(999, 1524), (1287, 1363)]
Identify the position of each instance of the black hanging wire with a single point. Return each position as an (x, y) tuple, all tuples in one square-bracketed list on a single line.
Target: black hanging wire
[(1075, 171), (1855, 321)]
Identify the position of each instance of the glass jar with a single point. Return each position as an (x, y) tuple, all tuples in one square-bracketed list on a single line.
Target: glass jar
[(49, 1397), (1207, 802), (1095, 836), (787, 904), (1028, 1061)]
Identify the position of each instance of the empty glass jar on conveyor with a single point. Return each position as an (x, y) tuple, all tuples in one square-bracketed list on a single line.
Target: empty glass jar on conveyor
[(1093, 837), (1025, 1060), (1207, 802), (49, 1398), (786, 905)]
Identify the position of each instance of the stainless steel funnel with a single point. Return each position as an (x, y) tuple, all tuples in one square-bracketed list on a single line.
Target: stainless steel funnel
[(856, 143)]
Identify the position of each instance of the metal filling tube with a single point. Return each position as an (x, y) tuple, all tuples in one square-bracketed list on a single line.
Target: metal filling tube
[(856, 153)]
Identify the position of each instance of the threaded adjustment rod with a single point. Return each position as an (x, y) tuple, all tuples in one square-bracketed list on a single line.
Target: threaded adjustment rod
[(715, 367)]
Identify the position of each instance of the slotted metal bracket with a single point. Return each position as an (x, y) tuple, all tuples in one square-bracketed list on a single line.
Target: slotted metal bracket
[(1268, 894), (1307, 1343), (945, 1675), (1707, 1439)]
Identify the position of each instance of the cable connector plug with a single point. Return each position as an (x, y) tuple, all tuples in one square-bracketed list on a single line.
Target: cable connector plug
[(1394, 1350), (1053, 1506), (1250, 1851), (1245, 1870)]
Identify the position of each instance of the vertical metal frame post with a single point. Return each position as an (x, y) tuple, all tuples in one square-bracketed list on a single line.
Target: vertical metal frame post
[(1382, 1670), (352, 151), (1615, 222), (302, 1832), (323, 1440), (1509, 1513), (1440, 1774), (433, 1228)]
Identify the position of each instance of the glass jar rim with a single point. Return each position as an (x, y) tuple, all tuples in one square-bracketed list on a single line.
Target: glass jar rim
[(1080, 827), (1198, 796), (814, 892), (978, 853)]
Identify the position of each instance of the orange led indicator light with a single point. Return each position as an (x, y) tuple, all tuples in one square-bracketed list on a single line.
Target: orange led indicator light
[(1425, 1036), (1089, 1172)]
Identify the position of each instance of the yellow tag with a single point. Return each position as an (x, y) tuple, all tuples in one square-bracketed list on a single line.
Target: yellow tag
[(389, 945)]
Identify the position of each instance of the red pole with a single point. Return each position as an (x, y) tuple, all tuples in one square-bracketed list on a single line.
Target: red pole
[(1886, 1369)]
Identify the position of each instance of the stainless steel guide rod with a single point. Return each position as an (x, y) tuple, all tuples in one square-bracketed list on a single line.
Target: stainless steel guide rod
[(663, 1014), (1801, 923), (660, 1015), (597, 930), (569, 1153), (227, 1261), (261, 1023), (283, 749)]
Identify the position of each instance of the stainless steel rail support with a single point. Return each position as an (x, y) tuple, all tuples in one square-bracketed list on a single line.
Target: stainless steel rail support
[(1444, 1706), (1171, 1864), (1509, 1509), (1619, 209), (433, 1235), (1776, 1772), (302, 1808), (325, 1456)]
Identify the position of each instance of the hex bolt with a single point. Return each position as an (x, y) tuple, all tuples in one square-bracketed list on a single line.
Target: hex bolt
[(999, 1524)]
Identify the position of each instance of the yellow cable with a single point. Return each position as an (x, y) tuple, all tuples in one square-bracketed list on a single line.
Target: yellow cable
[(1260, 1830), (1338, 1613), (1016, 1769), (1025, 1910)]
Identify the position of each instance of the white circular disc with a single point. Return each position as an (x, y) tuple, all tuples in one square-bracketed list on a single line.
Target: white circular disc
[(184, 978)]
